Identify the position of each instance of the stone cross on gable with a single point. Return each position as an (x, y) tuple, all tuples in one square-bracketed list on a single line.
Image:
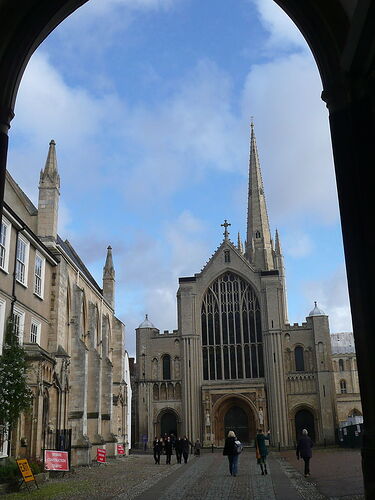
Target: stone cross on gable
[(225, 225)]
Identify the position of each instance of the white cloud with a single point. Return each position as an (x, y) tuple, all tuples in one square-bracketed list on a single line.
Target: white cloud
[(297, 245), (331, 293), (283, 33)]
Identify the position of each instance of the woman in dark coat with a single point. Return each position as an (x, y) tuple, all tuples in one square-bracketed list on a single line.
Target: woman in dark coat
[(262, 450), (231, 452), (157, 450), (168, 447), (304, 450)]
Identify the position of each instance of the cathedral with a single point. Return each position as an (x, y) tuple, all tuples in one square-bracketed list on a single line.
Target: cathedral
[(235, 362)]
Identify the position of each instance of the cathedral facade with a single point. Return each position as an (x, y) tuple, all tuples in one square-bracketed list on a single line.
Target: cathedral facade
[(235, 362)]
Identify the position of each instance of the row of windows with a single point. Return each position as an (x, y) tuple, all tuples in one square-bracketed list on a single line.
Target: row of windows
[(18, 321), (22, 259)]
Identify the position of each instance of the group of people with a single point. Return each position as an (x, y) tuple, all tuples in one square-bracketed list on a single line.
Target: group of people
[(169, 444), (233, 447)]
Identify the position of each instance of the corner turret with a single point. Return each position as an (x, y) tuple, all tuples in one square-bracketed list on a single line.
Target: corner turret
[(109, 279), (48, 202)]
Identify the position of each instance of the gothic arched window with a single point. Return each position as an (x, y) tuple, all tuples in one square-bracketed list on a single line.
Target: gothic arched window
[(298, 356), (341, 365), (232, 341), (166, 367)]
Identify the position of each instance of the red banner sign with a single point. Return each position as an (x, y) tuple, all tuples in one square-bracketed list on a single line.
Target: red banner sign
[(56, 460), (101, 454), (120, 449)]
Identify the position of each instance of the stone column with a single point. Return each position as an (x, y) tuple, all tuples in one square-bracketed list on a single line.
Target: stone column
[(352, 121)]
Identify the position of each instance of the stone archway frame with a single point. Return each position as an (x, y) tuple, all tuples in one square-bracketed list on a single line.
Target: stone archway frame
[(292, 418), (222, 405), (157, 420)]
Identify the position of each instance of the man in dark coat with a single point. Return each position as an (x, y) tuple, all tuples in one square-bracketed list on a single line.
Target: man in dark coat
[(168, 447), (185, 448), (178, 448), (157, 450), (304, 450), (230, 451)]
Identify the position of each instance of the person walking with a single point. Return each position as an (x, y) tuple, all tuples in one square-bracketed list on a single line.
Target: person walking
[(197, 448), (304, 450), (262, 450), (168, 450), (185, 448), (178, 448), (157, 450), (230, 450)]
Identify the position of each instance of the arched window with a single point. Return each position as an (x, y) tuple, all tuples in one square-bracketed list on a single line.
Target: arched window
[(298, 356), (232, 342), (166, 367), (341, 365), (343, 387)]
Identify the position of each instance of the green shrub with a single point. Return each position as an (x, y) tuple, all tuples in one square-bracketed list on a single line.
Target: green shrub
[(9, 472)]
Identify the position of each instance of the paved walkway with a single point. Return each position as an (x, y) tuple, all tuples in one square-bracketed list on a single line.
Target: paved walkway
[(335, 475)]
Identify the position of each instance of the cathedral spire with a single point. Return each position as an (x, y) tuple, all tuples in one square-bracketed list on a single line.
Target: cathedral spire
[(258, 238)]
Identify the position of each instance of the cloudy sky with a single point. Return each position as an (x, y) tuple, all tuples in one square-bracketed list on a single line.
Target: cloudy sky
[(149, 102)]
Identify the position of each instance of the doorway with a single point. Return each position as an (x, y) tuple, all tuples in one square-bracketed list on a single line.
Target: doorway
[(304, 419)]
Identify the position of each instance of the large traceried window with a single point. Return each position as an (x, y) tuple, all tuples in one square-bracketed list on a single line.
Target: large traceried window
[(231, 330)]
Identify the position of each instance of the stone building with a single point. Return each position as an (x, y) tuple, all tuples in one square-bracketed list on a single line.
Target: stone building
[(234, 361), (348, 397), (79, 370)]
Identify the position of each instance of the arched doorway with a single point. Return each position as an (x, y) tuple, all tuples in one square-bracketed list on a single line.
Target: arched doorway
[(304, 419), (168, 423), (236, 420), (234, 413)]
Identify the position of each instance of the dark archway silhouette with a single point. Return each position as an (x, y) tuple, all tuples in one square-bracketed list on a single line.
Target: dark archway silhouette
[(304, 419), (168, 423), (236, 420)]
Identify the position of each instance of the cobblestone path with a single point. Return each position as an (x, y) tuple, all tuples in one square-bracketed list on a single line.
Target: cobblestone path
[(336, 475)]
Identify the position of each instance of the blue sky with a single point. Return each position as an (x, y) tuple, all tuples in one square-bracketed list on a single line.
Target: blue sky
[(149, 102)]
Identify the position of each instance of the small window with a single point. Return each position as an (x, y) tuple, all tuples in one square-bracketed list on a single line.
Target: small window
[(39, 275), (4, 244), (343, 389), (257, 234), (226, 256), (166, 367), (22, 260), (35, 332), (18, 324), (298, 356), (341, 365)]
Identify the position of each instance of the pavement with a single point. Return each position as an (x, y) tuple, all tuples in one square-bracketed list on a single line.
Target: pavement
[(335, 474)]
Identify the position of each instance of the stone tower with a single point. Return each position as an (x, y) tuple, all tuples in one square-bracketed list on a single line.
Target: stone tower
[(48, 202), (109, 278)]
